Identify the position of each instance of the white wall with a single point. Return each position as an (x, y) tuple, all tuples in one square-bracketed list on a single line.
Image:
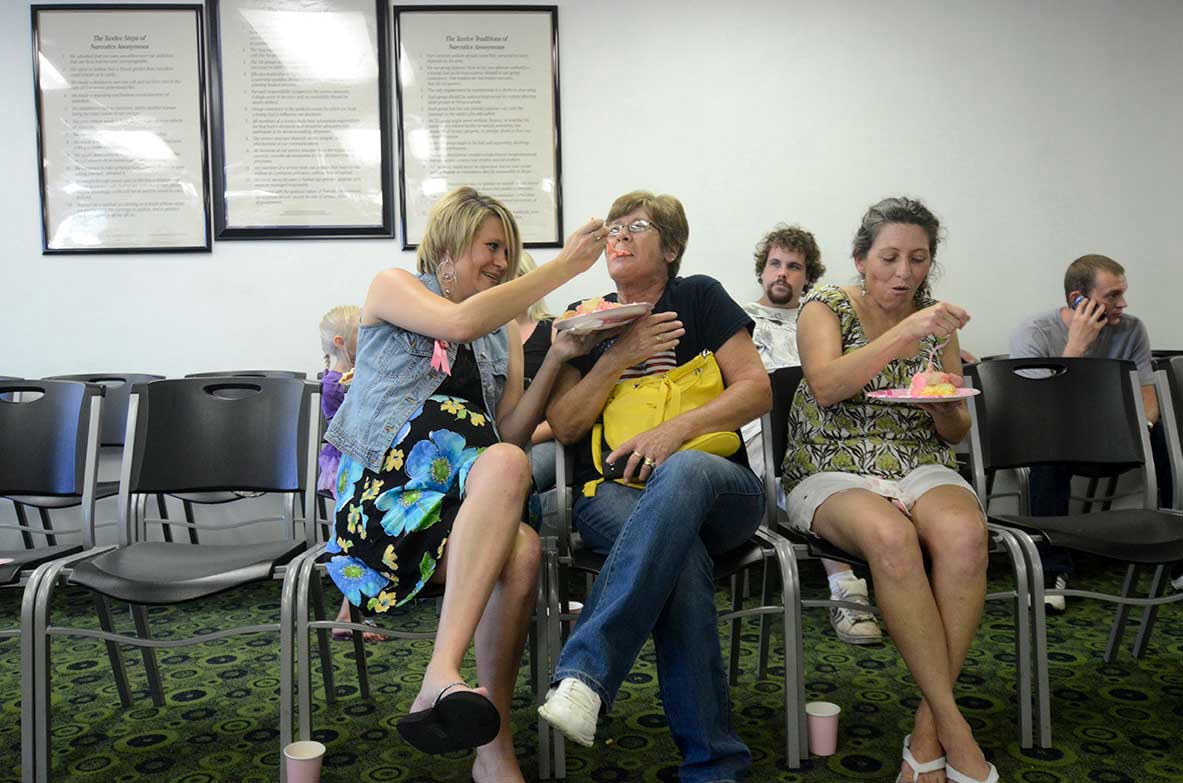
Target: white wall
[(1038, 131)]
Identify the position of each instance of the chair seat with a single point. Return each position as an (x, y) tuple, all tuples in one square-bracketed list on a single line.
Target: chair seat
[(30, 558), (1131, 535), (210, 498), (170, 573), (726, 565), (103, 489)]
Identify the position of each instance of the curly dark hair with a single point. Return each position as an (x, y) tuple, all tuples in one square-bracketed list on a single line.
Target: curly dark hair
[(792, 238), (899, 209)]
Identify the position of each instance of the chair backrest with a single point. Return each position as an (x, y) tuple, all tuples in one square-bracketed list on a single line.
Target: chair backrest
[(118, 392), (7, 378), (784, 387), (43, 440), (212, 434), (250, 374), (1085, 412), (1165, 353)]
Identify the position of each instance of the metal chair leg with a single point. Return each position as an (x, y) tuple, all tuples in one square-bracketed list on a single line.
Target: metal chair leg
[(166, 529), (23, 521), (359, 653), (1150, 613), (323, 639), (765, 622), (139, 613), (118, 670), (1122, 615), (738, 586), (50, 539), (192, 526)]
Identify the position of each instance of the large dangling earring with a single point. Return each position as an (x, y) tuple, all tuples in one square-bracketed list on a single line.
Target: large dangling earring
[(447, 273), (863, 283)]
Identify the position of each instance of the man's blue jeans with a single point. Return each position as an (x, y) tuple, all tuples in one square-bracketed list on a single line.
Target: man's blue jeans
[(659, 579)]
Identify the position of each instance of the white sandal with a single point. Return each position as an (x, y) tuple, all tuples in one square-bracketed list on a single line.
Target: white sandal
[(920, 767), (953, 776)]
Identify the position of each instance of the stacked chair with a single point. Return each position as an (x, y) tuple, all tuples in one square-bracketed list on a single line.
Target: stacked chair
[(190, 435), (1086, 413), (49, 444)]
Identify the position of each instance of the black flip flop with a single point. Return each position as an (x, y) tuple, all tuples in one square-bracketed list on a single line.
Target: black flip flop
[(457, 721)]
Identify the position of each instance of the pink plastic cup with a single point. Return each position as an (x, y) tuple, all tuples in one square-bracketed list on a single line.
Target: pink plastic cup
[(822, 717), (302, 761)]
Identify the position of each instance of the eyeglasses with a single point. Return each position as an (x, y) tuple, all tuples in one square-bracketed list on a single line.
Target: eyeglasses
[(639, 226)]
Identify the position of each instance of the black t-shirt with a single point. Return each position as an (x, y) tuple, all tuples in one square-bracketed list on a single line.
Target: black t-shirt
[(709, 316), (535, 348)]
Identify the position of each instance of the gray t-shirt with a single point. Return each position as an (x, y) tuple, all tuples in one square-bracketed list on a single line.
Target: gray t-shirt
[(775, 335), (1045, 335)]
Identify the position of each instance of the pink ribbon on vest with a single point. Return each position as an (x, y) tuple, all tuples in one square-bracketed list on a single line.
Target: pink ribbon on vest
[(439, 357)]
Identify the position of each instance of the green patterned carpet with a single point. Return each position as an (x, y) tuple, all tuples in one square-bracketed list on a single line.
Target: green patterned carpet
[(1113, 723)]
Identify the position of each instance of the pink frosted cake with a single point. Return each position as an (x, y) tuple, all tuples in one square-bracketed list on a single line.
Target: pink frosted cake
[(934, 384)]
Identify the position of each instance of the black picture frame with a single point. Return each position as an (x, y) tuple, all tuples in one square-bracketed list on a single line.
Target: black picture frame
[(224, 230), (79, 147), (408, 232)]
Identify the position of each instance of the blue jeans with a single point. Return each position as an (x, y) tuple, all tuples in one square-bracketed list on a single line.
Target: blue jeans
[(659, 578)]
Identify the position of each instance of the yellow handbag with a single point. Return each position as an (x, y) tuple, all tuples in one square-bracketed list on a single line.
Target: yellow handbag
[(636, 406)]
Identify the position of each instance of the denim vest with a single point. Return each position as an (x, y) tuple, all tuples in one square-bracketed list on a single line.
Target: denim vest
[(393, 376)]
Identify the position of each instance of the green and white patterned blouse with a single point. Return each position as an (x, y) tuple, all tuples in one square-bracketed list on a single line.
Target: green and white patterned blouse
[(861, 435)]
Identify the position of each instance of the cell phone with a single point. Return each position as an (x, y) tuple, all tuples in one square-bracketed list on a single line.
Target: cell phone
[(615, 470), (1076, 300)]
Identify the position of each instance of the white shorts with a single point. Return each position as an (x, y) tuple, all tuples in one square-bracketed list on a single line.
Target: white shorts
[(807, 497)]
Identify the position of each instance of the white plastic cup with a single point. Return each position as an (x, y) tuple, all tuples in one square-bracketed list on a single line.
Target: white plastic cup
[(302, 761), (573, 607), (822, 717)]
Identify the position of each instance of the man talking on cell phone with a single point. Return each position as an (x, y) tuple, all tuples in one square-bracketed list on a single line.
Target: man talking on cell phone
[(1092, 324)]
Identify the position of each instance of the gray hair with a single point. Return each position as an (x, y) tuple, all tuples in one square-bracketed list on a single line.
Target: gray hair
[(899, 209)]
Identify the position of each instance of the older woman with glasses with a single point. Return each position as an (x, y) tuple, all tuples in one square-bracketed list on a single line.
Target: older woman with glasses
[(672, 509)]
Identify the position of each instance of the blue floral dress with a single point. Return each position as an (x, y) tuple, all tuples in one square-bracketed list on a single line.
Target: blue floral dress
[(391, 526)]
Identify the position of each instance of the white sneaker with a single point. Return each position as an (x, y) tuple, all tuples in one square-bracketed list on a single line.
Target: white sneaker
[(1177, 583), (573, 708), (1057, 603), (851, 625)]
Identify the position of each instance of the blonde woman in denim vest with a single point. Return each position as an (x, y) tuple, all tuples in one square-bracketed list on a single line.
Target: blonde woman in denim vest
[(433, 479)]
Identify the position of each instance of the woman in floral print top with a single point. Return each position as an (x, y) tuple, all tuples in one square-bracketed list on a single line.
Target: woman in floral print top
[(876, 478)]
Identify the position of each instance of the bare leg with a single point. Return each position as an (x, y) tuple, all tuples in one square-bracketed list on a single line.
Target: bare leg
[(482, 538), (870, 526), (500, 637), (953, 532)]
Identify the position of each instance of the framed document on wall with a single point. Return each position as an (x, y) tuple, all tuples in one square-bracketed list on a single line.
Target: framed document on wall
[(301, 137), (478, 105), (121, 128)]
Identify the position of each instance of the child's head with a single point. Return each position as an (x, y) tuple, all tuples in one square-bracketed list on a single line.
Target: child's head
[(338, 335), (538, 311)]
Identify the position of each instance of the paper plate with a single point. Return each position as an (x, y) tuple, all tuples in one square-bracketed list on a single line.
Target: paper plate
[(903, 396), (604, 319)]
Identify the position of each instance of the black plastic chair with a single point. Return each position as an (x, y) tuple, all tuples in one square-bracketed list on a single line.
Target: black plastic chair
[(49, 448), (784, 387), (118, 393), (194, 435), (4, 379), (1046, 411), (250, 374), (766, 549)]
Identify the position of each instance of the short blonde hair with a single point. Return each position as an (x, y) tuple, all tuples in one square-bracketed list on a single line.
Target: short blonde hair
[(666, 214), (538, 311), (453, 224), (341, 320)]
